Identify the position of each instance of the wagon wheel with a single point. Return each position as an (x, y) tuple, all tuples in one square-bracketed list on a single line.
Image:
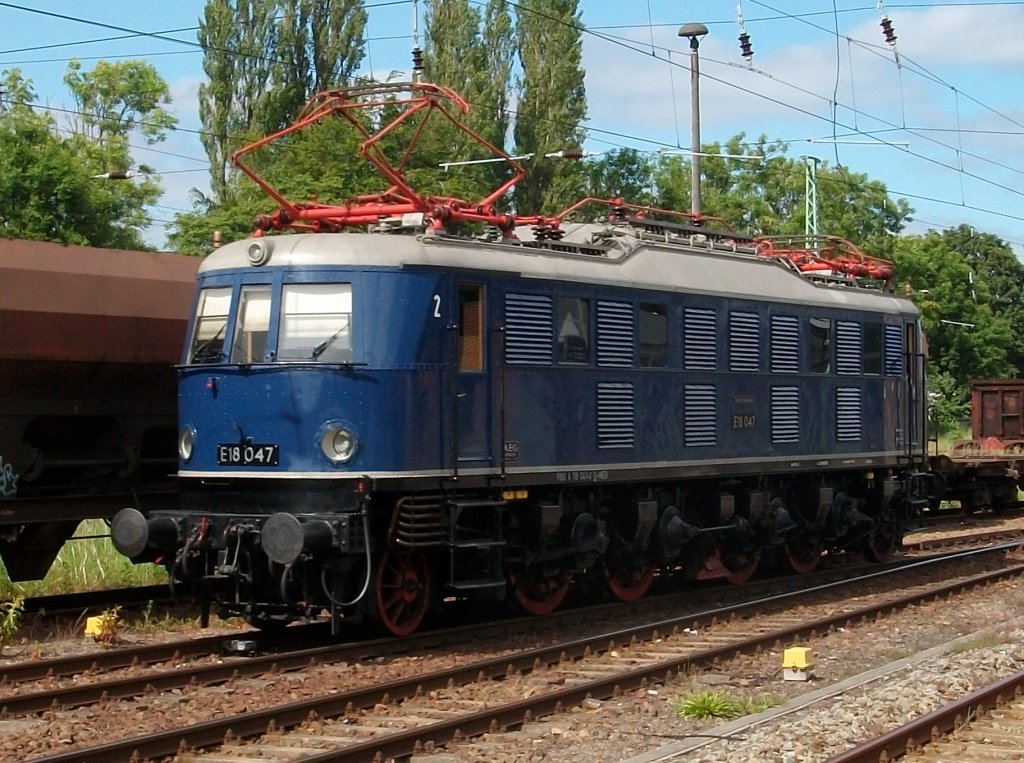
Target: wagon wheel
[(401, 591), (539, 589), (803, 553), (741, 564), (881, 541), (627, 578)]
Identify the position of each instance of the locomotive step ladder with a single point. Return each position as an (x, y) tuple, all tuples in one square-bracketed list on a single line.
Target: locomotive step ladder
[(475, 542)]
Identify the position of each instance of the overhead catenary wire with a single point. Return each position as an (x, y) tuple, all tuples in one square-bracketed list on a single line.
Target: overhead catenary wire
[(592, 129), (583, 29)]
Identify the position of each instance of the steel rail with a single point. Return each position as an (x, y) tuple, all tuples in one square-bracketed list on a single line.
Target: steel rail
[(927, 728), (406, 742), (297, 658)]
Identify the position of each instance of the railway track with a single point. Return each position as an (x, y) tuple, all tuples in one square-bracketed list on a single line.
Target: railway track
[(466, 631), (397, 715), (986, 725)]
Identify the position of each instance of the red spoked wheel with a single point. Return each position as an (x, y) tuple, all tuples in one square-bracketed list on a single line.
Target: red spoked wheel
[(803, 554), (540, 590), (402, 588), (741, 565), (628, 580)]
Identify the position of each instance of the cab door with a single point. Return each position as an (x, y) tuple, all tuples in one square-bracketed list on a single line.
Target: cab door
[(472, 405)]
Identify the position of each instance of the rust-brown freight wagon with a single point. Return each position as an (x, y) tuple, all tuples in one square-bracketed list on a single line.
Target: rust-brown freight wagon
[(986, 470), (88, 342)]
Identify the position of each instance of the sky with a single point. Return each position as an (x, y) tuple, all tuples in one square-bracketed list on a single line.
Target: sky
[(939, 118)]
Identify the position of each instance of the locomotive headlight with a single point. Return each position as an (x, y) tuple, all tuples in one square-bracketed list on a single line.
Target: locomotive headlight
[(338, 444), (186, 441)]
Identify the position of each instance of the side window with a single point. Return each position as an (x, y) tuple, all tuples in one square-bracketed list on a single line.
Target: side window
[(471, 328), (573, 330), (872, 348), (820, 346), (316, 322), (250, 342), (653, 335), (211, 322)]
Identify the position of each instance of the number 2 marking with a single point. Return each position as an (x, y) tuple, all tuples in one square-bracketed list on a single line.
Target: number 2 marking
[(437, 305)]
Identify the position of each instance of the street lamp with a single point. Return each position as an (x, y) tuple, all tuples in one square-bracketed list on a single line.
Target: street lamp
[(696, 33)]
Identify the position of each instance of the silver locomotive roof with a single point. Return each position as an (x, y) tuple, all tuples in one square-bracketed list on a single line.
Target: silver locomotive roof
[(599, 254)]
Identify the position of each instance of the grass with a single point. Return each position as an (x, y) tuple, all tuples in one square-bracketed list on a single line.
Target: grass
[(85, 565), (949, 439), (10, 620), (984, 641), (716, 704)]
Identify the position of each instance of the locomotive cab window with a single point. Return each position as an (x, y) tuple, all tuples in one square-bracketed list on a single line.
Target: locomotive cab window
[(573, 330), (211, 322), (250, 342), (316, 323), (653, 335), (820, 346)]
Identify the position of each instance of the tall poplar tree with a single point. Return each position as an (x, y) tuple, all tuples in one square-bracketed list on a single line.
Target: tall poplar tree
[(492, 92), (474, 61), (552, 102), (453, 55), (319, 46), (237, 36), (264, 59)]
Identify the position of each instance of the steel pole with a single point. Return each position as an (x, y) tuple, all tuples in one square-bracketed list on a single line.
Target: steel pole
[(695, 126)]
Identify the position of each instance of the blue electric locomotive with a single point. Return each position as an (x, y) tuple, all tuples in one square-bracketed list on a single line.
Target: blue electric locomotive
[(372, 421)]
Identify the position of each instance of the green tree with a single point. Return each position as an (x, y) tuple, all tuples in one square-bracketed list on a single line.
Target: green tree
[(320, 162), (994, 264), (768, 197), (16, 93), (115, 101), (551, 103), (319, 46), (490, 93), (193, 232), (264, 59), (626, 173), (236, 36), (860, 210), (966, 340), (475, 62), (453, 54), (118, 97), (49, 184), (49, 193)]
